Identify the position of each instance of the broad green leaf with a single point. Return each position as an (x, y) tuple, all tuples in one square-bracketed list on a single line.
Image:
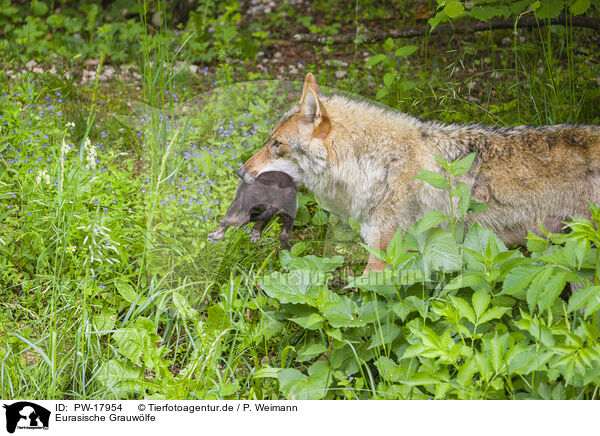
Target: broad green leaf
[(453, 8), (466, 372), (460, 167), (580, 7), (463, 193), (466, 280), (481, 300), (497, 349), (549, 9), (375, 60), (125, 289), (291, 287), (432, 219), (312, 263), (434, 179), (484, 13), (388, 45), (342, 313), (311, 351), (388, 369), (441, 252), (314, 321), (388, 79), (496, 312), (548, 288), (406, 50), (297, 386), (581, 296), (320, 218), (120, 378), (105, 320), (464, 309), (519, 279), (537, 244)]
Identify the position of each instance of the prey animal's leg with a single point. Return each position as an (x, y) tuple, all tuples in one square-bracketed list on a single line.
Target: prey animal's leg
[(286, 229), (227, 222), (259, 226)]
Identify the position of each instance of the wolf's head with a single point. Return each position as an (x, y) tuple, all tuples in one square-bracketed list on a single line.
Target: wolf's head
[(297, 144)]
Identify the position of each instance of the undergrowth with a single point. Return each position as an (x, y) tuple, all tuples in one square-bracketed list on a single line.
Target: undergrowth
[(111, 290)]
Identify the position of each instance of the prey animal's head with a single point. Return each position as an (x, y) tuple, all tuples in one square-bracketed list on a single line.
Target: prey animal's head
[(297, 143)]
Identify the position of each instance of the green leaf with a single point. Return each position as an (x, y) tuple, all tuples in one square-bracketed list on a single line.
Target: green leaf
[(314, 321), (311, 351), (297, 386), (481, 300), (375, 60), (312, 263), (493, 313), (382, 92), (484, 13), (549, 9), (105, 320), (546, 287), (341, 313), (464, 309), (320, 218), (582, 296), (384, 334), (466, 372), (422, 379), (388, 45), (291, 287), (441, 252), (519, 278), (453, 9), (537, 244), (406, 50), (463, 192), (183, 307), (461, 166), (432, 219), (466, 280), (125, 289), (434, 179), (120, 378), (388, 79)]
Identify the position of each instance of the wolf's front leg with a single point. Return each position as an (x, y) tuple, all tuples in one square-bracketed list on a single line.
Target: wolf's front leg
[(376, 236)]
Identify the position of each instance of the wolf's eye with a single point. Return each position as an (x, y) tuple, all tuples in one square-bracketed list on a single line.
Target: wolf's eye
[(276, 144)]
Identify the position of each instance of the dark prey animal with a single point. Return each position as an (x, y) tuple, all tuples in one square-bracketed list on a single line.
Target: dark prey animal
[(273, 193)]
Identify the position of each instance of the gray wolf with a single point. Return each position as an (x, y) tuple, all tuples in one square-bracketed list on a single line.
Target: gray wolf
[(273, 193), (359, 160)]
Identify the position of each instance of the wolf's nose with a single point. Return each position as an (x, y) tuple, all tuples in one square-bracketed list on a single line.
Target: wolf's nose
[(241, 172)]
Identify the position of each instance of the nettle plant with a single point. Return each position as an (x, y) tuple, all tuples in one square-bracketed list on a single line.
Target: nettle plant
[(395, 84), (456, 314)]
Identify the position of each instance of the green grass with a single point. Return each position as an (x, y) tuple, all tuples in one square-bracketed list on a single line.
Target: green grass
[(111, 290)]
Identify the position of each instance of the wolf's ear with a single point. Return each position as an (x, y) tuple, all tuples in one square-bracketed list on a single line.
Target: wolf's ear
[(314, 113), (310, 83)]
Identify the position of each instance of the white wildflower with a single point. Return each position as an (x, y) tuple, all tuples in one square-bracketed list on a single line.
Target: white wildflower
[(70, 124), (42, 176), (92, 154), (65, 148)]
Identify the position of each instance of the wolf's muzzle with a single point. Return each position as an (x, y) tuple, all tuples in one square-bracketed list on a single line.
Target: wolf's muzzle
[(244, 175)]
